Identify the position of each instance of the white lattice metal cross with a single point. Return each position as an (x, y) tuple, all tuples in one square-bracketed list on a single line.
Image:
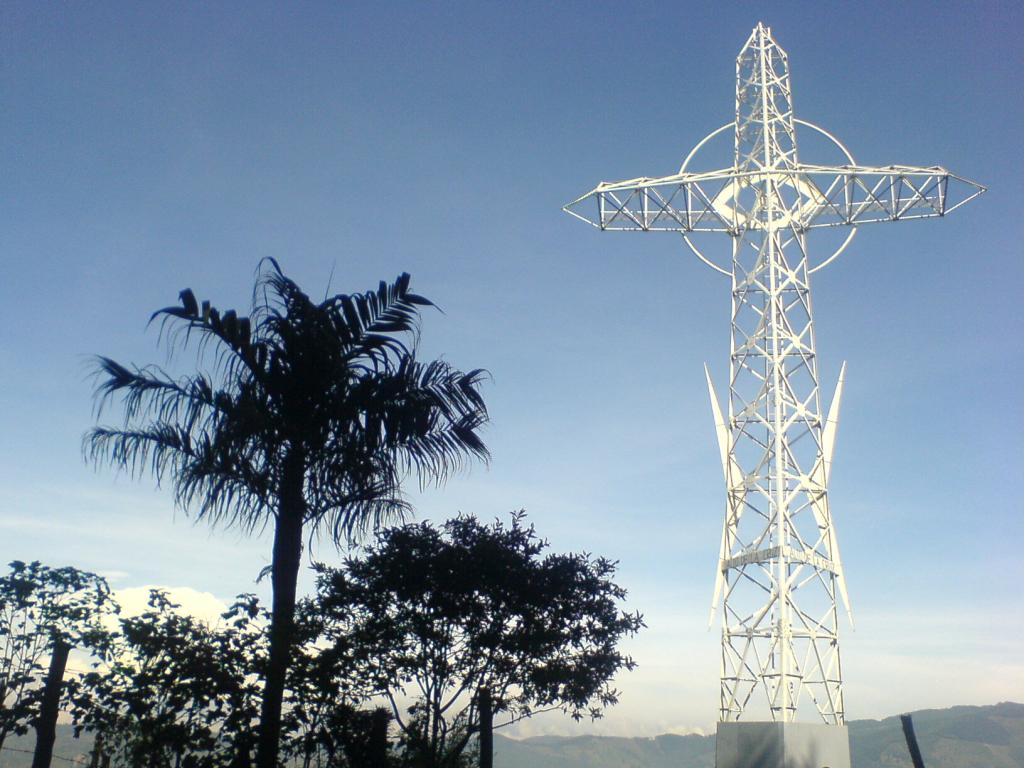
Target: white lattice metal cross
[(779, 571)]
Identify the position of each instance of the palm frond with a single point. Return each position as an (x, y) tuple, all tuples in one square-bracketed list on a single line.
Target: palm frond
[(237, 346), (156, 449), (334, 380), (150, 391)]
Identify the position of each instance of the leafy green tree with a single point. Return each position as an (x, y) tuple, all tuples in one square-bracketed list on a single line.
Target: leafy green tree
[(177, 691), (308, 418), (44, 612), (324, 722), (445, 616)]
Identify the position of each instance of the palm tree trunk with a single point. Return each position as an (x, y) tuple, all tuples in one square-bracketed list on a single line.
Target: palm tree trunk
[(284, 575), (46, 725)]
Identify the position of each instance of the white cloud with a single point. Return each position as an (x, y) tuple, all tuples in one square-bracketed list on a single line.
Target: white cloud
[(134, 601), (202, 605)]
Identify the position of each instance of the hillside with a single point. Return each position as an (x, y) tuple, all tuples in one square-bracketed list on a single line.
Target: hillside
[(959, 737)]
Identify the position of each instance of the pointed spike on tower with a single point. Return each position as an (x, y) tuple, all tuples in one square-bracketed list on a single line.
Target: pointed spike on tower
[(722, 431), (721, 428), (828, 439)]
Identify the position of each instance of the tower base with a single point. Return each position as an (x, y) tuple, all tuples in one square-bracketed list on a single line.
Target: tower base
[(782, 745)]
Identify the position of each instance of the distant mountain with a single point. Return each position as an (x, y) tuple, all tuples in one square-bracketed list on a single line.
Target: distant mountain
[(960, 737)]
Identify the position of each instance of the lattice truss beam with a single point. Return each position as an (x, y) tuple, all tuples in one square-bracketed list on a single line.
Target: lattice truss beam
[(780, 574), (821, 196)]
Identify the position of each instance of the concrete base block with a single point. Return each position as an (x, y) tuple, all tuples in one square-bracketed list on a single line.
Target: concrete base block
[(782, 745)]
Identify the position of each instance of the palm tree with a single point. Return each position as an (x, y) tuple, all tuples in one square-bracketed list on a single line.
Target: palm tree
[(309, 417)]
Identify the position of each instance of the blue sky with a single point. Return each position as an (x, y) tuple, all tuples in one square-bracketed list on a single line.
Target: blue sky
[(148, 148)]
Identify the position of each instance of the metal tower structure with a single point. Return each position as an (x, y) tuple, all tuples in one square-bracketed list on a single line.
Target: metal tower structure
[(779, 574)]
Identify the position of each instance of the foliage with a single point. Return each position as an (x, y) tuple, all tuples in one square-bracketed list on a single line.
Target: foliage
[(323, 723), (440, 614), (329, 383), (177, 690), (40, 606), (310, 416), (948, 738)]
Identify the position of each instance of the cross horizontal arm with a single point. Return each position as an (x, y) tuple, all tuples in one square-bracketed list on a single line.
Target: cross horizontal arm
[(852, 195), (819, 196), (684, 202)]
